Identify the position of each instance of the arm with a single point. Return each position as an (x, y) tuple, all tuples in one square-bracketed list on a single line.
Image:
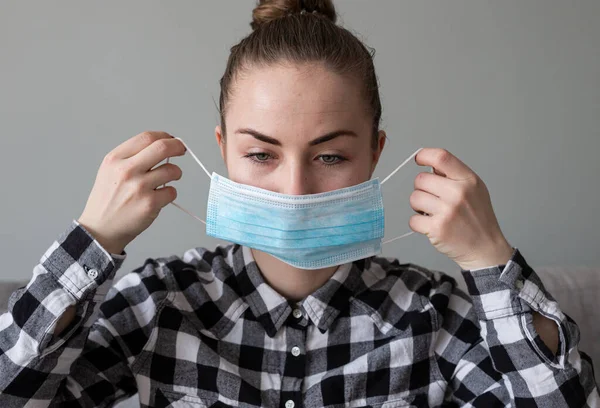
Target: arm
[(495, 356), (545, 327), (87, 363)]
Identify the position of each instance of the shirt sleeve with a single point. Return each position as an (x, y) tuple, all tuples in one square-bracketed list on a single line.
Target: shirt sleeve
[(490, 353), (89, 363)]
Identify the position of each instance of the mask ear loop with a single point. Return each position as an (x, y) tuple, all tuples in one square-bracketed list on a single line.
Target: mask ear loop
[(203, 168), (387, 178)]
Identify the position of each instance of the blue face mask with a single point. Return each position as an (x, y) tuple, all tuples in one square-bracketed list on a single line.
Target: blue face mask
[(309, 231)]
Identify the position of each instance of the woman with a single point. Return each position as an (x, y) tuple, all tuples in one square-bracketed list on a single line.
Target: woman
[(291, 316)]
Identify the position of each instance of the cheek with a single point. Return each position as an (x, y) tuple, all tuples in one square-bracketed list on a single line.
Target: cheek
[(242, 170), (359, 176), (348, 174)]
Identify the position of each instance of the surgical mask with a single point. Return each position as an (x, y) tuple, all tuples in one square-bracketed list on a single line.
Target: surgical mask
[(309, 231)]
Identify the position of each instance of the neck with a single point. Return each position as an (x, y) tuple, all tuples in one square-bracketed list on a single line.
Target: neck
[(293, 283)]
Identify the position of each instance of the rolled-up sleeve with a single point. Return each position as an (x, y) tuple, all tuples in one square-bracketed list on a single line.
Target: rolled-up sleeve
[(504, 299)]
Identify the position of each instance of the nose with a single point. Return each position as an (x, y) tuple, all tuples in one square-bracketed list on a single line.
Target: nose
[(296, 180)]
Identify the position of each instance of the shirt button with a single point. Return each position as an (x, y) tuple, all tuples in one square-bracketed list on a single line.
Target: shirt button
[(92, 273), (297, 313), (295, 351), (289, 404), (519, 284)]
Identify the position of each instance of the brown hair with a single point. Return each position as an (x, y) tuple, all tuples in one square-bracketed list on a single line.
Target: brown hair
[(302, 31)]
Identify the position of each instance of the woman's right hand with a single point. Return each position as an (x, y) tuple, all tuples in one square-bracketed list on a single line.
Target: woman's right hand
[(126, 197)]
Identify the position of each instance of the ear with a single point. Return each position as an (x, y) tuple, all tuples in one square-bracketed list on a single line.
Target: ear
[(221, 143), (377, 153)]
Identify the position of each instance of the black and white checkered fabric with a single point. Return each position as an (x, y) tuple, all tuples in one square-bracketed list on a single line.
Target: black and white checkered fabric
[(205, 330)]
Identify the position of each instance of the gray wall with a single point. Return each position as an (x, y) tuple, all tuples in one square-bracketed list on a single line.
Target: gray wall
[(510, 87)]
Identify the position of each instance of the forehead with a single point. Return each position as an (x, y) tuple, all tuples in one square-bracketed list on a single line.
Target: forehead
[(295, 93)]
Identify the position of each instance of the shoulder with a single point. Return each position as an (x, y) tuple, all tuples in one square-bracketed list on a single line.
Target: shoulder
[(139, 293), (397, 291), (141, 289), (132, 306), (425, 282)]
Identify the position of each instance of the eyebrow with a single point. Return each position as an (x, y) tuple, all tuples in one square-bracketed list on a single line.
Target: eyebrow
[(321, 139)]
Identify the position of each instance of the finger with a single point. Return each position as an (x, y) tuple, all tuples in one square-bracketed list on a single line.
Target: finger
[(444, 163), (419, 223), (136, 144), (439, 186), (161, 175), (165, 195), (157, 152), (425, 203)]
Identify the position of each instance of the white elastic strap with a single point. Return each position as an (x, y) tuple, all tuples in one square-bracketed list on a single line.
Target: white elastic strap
[(203, 168), (189, 213), (387, 178), (393, 239), (399, 167), (194, 156)]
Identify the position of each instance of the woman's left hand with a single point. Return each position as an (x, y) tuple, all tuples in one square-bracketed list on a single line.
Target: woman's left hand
[(461, 222)]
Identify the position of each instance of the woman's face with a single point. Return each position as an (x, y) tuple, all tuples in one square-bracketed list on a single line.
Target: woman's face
[(278, 119)]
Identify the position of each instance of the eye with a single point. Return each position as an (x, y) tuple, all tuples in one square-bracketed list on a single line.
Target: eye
[(259, 157), (331, 159)]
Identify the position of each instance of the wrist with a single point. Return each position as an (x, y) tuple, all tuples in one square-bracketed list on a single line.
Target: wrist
[(499, 255), (112, 246)]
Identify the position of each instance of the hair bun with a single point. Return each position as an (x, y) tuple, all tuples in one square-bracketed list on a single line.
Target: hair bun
[(268, 10)]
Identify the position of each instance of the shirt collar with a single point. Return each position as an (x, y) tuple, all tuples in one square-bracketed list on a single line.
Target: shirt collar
[(322, 306)]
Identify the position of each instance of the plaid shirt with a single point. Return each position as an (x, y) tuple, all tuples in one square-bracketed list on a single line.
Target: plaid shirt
[(205, 330)]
